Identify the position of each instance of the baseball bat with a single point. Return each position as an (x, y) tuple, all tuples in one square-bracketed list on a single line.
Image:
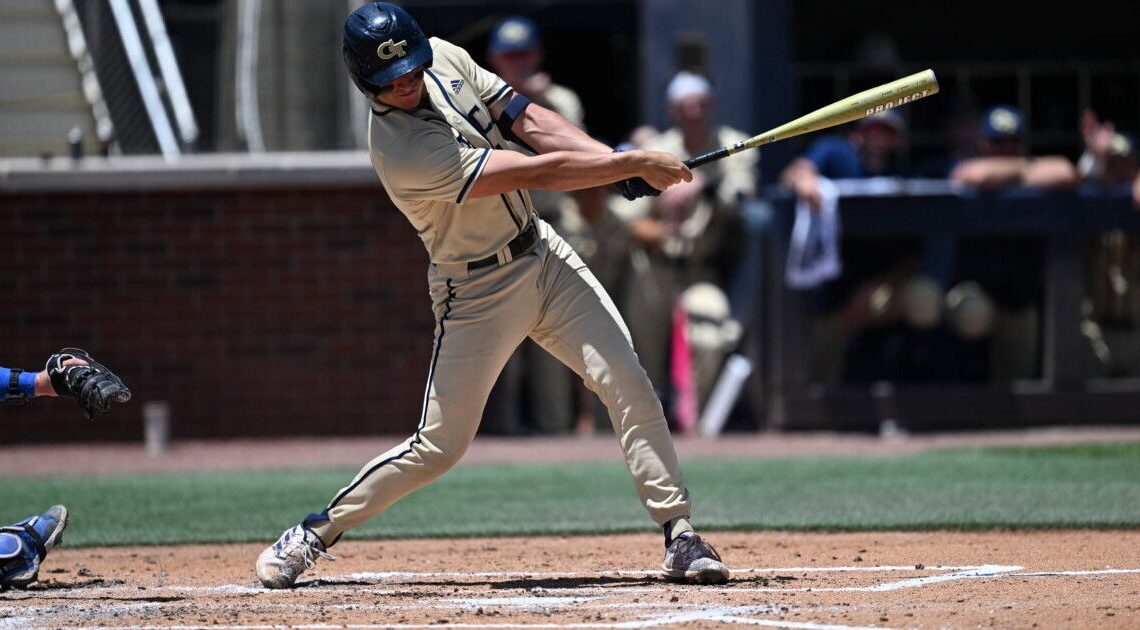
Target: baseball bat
[(865, 103)]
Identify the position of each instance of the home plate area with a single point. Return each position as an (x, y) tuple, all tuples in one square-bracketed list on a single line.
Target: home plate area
[(835, 580)]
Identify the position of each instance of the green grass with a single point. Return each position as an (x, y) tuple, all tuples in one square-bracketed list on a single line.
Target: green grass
[(1083, 487)]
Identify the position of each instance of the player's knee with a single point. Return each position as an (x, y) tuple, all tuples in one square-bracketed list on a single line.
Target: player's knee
[(624, 384), (438, 458)]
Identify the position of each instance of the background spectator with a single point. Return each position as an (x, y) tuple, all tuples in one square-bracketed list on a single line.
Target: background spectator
[(875, 272), (535, 392), (1015, 285), (1113, 305), (1003, 161), (688, 234)]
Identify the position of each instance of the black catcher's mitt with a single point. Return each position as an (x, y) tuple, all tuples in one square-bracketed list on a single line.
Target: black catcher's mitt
[(93, 384)]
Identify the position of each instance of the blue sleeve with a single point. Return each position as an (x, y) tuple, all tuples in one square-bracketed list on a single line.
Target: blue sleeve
[(26, 382), (835, 157)]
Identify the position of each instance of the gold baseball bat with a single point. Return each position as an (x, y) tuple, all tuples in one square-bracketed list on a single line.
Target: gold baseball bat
[(865, 103)]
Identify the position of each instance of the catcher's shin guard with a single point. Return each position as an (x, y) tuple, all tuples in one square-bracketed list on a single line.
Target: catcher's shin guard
[(24, 545)]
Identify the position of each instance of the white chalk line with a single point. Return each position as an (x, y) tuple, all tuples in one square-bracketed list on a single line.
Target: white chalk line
[(335, 584), (329, 584), (735, 615), (1088, 572), (804, 625)]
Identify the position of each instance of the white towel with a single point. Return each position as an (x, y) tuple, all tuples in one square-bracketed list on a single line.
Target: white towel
[(813, 255)]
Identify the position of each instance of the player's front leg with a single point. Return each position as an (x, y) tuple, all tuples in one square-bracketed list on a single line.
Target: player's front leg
[(480, 324), (582, 328)]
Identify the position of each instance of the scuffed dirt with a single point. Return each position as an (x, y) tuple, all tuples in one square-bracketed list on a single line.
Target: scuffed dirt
[(912, 580)]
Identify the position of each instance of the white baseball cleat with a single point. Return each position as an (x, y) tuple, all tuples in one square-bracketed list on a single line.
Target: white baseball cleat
[(296, 550), (690, 559)]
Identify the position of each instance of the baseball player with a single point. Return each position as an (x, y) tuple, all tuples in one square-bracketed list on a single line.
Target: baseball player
[(73, 373), (456, 149)]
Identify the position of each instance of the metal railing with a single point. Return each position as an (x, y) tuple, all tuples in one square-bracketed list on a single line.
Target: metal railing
[(149, 110), (1067, 226), (1050, 94), (88, 79)]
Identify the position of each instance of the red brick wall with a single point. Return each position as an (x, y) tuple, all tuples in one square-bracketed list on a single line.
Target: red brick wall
[(253, 312)]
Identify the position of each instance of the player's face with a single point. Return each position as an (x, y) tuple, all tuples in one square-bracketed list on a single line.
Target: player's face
[(403, 93)]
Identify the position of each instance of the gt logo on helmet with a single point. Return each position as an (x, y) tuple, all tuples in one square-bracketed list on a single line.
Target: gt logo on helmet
[(391, 49)]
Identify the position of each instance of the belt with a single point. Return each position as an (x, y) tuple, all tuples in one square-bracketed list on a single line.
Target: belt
[(518, 246)]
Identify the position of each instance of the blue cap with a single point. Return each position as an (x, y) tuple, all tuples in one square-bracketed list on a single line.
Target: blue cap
[(1003, 121), (513, 34)]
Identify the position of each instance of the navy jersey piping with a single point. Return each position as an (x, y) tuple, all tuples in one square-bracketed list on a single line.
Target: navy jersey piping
[(474, 174), (479, 129), (473, 123), (497, 95)]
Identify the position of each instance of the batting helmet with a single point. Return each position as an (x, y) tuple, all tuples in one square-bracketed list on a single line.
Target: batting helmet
[(381, 44)]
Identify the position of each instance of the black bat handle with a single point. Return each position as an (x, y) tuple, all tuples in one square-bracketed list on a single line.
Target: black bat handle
[(711, 156)]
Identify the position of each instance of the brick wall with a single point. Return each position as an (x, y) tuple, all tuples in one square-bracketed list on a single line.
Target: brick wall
[(252, 311)]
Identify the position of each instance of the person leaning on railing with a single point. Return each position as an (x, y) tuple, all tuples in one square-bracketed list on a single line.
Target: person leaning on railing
[(1003, 158), (1015, 287)]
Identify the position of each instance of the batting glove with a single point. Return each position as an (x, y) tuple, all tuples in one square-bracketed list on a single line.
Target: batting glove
[(634, 187)]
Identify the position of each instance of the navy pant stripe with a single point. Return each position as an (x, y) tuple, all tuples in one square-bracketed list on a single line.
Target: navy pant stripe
[(423, 410)]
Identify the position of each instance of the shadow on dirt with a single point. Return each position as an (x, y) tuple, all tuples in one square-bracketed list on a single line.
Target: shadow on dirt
[(548, 582)]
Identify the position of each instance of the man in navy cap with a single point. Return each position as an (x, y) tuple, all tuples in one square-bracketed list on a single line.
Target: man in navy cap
[(845, 305), (535, 390), (515, 54), (1003, 160)]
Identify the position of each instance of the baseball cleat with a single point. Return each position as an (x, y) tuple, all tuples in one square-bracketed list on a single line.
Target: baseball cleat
[(24, 546), (690, 559), (296, 550)]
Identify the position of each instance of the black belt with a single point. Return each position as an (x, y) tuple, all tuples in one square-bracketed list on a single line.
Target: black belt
[(518, 246)]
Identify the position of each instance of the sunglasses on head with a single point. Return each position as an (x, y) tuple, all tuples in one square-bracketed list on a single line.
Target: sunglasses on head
[(388, 87)]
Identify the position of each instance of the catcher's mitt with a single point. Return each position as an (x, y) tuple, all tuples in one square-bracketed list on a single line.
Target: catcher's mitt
[(93, 384)]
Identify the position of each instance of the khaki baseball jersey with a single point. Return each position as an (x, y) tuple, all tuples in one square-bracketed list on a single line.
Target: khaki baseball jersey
[(429, 159), (732, 176)]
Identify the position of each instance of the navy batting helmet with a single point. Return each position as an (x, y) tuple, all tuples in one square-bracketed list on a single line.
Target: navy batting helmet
[(381, 44)]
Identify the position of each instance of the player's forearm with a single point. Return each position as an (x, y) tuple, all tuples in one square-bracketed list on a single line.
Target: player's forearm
[(1054, 172), (558, 171), (990, 172), (571, 170), (546, 131)]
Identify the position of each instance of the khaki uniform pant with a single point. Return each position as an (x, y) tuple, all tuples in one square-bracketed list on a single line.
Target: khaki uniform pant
[(549, 295)]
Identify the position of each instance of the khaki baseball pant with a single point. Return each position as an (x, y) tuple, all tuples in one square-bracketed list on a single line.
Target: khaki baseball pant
[(549, 295)]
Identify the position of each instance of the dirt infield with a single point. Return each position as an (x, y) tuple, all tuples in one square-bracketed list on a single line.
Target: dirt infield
[(1050, 579)]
